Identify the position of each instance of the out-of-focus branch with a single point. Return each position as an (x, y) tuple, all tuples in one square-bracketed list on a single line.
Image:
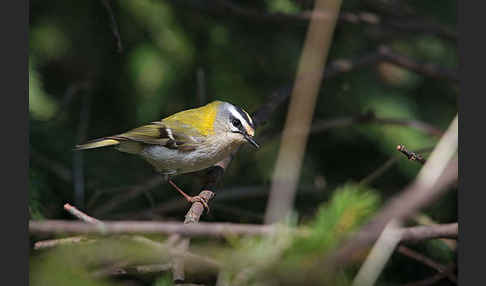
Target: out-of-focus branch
[(391, 236), (225, 8), (133, 270), (427, 69), (128, 194), (382, 169), (301, 109), (379, 255), (114, 25), (78, 170), (224, 195), (434, 279), (439, 172), (421, 233), (386, 54), (426, 261), (371, 118), (55, 167), (44, 244), (80, 215), (202, 229)]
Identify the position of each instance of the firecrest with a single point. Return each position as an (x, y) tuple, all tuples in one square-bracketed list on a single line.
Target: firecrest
[(186, 141)]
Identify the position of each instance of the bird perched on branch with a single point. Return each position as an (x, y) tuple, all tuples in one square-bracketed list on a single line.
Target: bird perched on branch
[(187, 141)]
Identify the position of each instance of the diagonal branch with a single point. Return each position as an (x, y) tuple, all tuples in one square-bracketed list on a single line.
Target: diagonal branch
[(439, 172), (426, 261), (114, 25)]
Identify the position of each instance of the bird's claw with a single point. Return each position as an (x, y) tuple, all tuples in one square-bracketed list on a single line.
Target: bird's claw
[(201, 200)]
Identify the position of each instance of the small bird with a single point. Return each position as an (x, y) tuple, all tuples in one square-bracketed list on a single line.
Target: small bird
[(187, 141)]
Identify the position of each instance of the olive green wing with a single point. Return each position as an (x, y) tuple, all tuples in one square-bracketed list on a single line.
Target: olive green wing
[(173, 135)]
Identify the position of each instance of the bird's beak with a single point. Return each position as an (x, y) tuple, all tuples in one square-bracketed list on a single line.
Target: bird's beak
[(251, 141)]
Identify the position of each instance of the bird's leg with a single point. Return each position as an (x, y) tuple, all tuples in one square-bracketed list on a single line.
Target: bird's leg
[(189, 198)]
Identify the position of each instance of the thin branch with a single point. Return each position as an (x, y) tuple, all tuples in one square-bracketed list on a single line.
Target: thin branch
[(420, 233), (384, 53), (427, 69), (438, 174), (204, 229), (433, 279), (133, 270), (44, 244), (128, 194), (114, 25), (386, 166), (426, 261), (412, 156), (179, 255), (224, 8), (80, 215), (371, 118), (224, 195), (380, 171)]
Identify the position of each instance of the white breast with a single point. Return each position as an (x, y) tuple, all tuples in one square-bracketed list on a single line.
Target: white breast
[(174, 162)]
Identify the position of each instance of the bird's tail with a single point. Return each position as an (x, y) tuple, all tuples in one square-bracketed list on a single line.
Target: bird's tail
[(97, 143)]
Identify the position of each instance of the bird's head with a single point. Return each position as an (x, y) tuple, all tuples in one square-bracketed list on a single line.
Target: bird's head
[(235, 122)]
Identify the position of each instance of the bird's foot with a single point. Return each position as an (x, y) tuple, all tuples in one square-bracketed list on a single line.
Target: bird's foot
[(201, 200)]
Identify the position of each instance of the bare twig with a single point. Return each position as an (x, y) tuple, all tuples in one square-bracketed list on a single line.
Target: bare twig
[(133, 270), (439, 172), (195, 212), (371, 118), (80, 215), (434, 279), (426, 261), (412, 156), (202, 229), (224, 195), (384, 53), (427, 69), (419, 233), (380, 171), (387, 165), (44, 244), (224, 8), (114, 25)]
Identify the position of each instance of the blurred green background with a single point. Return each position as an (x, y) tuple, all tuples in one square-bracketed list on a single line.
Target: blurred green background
[(181, 54)]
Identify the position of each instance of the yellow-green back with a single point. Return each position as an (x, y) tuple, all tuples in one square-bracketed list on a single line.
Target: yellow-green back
[(201, 119)]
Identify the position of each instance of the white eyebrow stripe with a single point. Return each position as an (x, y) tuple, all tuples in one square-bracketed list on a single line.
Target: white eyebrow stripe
[(236, 114), (249, 117)]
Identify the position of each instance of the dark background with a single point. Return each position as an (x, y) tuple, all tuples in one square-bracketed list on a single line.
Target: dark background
[(174, 57)]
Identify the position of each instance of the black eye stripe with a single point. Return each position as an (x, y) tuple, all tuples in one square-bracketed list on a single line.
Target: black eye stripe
[(236, 122), (244, 115)]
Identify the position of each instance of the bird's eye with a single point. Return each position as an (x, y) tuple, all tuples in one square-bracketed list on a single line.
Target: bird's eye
[(236, 123)]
